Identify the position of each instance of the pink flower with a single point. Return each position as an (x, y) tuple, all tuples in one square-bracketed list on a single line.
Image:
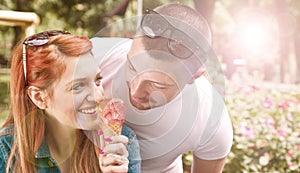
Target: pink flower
[(248, 89), (282, 133), (269, 122), (284, 105), (294, 100), (254, 87), (246, 131), (290, 165), (263, 144), (291, 153), (267, 103)]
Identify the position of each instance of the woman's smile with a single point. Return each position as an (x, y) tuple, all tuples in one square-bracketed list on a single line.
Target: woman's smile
[(92, 110)]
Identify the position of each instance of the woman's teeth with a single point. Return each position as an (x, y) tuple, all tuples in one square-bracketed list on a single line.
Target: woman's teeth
[(88, 111)]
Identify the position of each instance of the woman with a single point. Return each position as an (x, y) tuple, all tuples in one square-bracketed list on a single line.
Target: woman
[(55, 90)]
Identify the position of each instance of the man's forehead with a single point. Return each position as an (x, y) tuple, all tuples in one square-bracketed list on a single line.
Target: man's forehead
[(154, 60), (143, 43), (162, 62)]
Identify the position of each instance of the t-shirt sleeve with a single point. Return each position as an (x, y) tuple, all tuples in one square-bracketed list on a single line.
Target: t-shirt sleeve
[(110, 50), (219, 144), (110, 55)]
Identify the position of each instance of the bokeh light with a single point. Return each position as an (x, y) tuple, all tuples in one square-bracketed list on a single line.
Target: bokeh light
[(256, 35)]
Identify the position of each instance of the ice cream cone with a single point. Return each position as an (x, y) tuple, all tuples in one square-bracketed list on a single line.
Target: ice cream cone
[(112, 113)]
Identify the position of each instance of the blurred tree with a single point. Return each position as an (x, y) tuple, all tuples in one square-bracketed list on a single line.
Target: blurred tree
[(281, 7), (229, 44), (119, 9), (297, 48), (206, 8), (84, 17), (78, 16), (295, 8), (17, 29)]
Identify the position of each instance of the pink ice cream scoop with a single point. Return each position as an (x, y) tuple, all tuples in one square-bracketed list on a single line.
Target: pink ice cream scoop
[(113, 115)]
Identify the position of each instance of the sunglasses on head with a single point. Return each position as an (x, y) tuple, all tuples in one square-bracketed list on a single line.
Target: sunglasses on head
[(180, 44), (36, 40)]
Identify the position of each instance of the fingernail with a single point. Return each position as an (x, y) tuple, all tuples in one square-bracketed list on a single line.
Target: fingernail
[(108, 140), (100, 132), (101, 151)]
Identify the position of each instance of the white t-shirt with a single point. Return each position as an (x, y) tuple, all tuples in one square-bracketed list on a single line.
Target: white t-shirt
[(195, 120)]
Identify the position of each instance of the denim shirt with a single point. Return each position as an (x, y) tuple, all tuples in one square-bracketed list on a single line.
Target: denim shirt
[(46, 164)]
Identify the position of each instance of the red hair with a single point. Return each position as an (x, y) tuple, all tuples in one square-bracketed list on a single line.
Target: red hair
[(45, 65)]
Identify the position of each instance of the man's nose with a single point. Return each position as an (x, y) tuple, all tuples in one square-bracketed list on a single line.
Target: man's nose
[(138, 87)]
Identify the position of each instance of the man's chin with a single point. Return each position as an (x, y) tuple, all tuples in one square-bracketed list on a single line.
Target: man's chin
[(141, 107)]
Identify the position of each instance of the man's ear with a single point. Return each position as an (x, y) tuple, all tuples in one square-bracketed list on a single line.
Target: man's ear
[(38, 96), (198, 73)]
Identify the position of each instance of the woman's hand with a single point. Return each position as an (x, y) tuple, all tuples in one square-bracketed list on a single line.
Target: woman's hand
[(113, 158)]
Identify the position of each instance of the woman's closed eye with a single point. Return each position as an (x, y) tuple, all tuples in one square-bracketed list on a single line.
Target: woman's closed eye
[(159, 86)]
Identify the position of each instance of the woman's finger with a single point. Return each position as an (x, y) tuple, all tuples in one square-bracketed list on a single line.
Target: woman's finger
[(118, 139), (115, 169), (110, 163), (116, 148), (114, 159)]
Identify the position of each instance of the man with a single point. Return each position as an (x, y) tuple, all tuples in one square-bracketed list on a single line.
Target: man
[(171, 106)]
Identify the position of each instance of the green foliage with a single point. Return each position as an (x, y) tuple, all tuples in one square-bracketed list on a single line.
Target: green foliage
[(77, 16), (7, 4), (4, 96), (85, 17)]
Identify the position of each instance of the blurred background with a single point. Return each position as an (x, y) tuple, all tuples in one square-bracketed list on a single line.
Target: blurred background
[(256, 41)]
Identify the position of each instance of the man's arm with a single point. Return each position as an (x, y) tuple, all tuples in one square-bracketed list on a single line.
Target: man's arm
[(207, 166)]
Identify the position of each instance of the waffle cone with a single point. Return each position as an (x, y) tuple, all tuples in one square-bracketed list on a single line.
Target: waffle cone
[(116, 128)]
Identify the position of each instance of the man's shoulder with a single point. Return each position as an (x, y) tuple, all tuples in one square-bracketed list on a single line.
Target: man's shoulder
[(109, 41), (203, 82), (105, 45), (110, 49)]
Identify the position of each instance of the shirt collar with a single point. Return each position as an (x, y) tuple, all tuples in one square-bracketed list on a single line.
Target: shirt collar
[(43, 150)]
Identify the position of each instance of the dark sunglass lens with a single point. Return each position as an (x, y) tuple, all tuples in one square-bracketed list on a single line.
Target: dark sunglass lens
[(56, 32), (181, 45), (154, 25), (37, 40), (43, 37), (179, 50)]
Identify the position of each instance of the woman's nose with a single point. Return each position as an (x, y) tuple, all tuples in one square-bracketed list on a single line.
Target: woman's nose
[(97, 93)]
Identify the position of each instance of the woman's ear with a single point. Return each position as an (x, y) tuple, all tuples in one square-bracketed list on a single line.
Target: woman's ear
[(38, 96)]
